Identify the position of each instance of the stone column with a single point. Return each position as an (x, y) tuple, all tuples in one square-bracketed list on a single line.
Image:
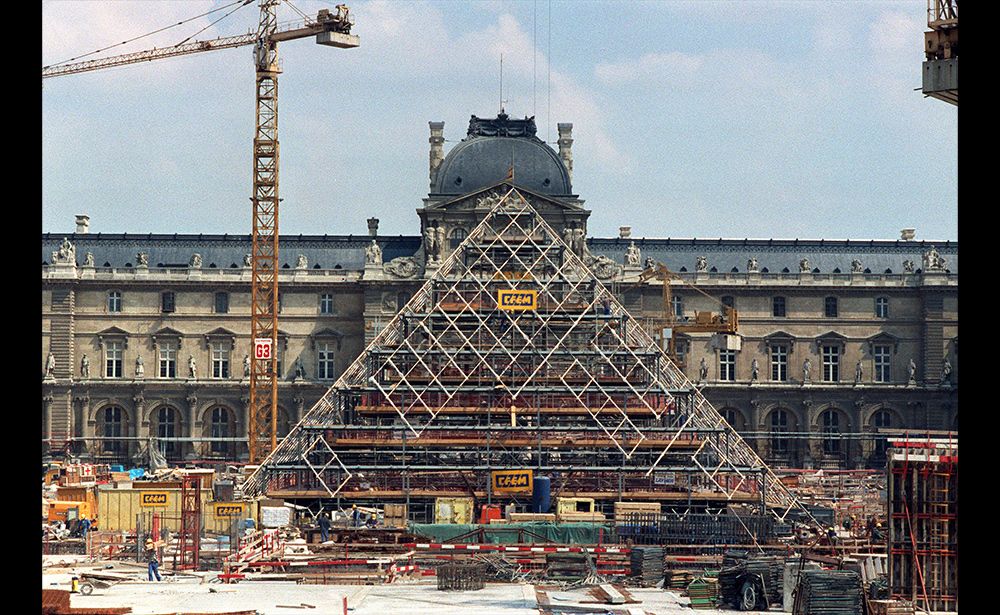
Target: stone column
[(192, 401), (81, 419), (299, 405), (245, 400), (437, 147), (138, 406), (47, 416), (566, 146)]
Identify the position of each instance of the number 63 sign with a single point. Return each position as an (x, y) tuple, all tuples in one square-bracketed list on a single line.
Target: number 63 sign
[(262, 348)]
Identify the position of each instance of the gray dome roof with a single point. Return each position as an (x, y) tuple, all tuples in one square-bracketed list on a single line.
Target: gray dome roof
[(482, 160)]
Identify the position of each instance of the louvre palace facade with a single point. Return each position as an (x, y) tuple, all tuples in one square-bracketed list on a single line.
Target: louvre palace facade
[(145, 338)]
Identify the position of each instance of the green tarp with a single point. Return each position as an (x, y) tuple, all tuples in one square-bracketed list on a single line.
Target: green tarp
[(506, 533)]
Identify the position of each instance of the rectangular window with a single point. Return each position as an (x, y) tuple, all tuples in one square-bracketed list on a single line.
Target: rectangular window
[(831, 307), (113, 359), (114, 301), (324, 355), (882, 365), (831, 363), (220, 360), (280, 298), (678, 306), (681, 350), (727, 365), (326, 304), (778, 307), (779, 363), (221, 303), (168, 360), (881, 307), (167, 301)]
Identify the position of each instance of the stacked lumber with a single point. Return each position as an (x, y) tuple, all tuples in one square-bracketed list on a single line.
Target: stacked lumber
[(647, 565), (891, 607), (532, 517), (828, 592), (704, 593), (677, 579), (395, 515), (581, 517), (623, 509), (569, 567)]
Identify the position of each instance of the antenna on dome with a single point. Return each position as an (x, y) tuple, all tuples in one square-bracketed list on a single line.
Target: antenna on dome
[(501, 82)]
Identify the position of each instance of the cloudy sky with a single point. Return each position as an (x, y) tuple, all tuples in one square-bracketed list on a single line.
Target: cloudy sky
[(691, 119)]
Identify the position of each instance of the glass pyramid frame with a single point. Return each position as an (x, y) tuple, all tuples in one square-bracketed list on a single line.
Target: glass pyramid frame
[(514, 355)]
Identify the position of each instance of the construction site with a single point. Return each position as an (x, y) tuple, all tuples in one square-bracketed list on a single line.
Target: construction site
[(518, 437)]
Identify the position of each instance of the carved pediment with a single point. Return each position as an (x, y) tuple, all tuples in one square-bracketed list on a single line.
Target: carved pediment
[(883, 339), (485, 198)]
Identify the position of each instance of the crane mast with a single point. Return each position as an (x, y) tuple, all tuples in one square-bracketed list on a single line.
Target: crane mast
[(262, 430)]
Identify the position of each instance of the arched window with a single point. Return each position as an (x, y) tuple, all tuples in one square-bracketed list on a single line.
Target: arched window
[(779, 427), (733, 417), (456, 237), (283, 423), (221, 428), (166, 429), (882, 419), (113, 426), (831, 429)]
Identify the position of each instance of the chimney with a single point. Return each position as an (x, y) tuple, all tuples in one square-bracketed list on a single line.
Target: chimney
[(566, 146), (908, 234), (437, 147), (373, 226), (624, 232), (82, 224)]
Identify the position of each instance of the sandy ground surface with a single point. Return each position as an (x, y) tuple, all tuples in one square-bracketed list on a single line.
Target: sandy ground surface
[(191, 594)]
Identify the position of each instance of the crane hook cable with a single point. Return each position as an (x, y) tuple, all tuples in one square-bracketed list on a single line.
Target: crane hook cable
[(242, 2)]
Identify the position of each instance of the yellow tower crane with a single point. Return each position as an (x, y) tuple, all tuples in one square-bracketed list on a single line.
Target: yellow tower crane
[(704, 322), (329, 28)]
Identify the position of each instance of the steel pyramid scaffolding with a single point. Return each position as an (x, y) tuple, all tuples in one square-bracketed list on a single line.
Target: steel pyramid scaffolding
[(513, 354)]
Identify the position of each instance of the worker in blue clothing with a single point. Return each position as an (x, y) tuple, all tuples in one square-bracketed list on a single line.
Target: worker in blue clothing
[(154, 563), (84, 527), (324, 527), (355, 516)]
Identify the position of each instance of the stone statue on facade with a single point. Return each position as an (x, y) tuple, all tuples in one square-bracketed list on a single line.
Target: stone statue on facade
[(946, 373), (140, 368), (50, 366), (804, 265), (88, 259), (246, 366), (373, 254), (195, 262), (439, 242), (192, 368), (858, 372), (754, 370), (649, 263), (701, 264), (933, 261), (300, 370), (568, 237), (806, 371), (856, 266), (402, 267), (85, 367), (66, 254), (702, 370), (752, 266), (141, 259), (248, 260), (632, 255), (913, 373), (430, 244), (302, 262), (908, 266)]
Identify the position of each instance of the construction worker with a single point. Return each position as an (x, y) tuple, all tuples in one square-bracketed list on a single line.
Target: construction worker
[(154, 563), (355, 516), (877, 533), (847, 523), (84, 527), (509, 510), (324, 527)]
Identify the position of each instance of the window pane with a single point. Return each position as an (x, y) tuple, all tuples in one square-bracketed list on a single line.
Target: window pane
[(168, 302), (779, 426), (326, 304), (778, 307), (779, 363), (324, 356), (221, 303), (831, 307), (882, 363), (220, 360), (727, 365), (113, 359), (831, 363), (114, 301), (168, 360), (882, 307), (457, 235)]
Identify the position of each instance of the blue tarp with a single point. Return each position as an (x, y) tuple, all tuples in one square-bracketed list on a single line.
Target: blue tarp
[(135, 473)]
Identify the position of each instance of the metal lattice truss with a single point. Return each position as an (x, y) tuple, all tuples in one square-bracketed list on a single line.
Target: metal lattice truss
[(453, 342)]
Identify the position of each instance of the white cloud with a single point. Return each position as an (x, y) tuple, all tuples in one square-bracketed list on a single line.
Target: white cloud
[(672, 64), (896, 32)]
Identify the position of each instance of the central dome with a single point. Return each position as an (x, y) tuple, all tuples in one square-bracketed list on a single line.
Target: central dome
[(488, 152)]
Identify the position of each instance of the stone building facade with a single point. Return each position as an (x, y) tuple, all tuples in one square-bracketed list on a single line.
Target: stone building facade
[(144, 337)]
